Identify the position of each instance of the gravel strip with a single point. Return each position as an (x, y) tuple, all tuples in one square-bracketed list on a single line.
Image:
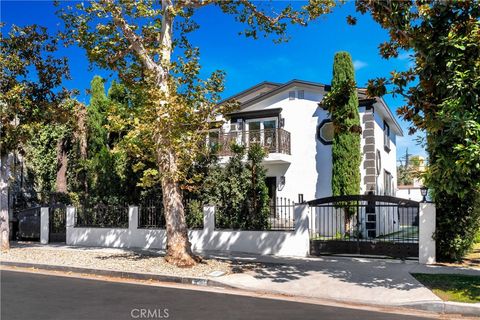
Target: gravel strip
[(118, 260)]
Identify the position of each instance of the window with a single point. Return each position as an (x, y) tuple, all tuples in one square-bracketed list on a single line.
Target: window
[(301, 94), (291, 95), (325, 132), (388, 183), (213, 138), (263, 131), (378, 162), (386, 136)]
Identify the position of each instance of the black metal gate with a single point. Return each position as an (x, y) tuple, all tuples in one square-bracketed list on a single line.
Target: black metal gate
[(57, 223), (364, 224)]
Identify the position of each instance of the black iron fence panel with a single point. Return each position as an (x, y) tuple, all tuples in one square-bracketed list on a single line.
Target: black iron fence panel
[(57, 223), (278, 217), (282, 213), (364, 224), (28, 223), (151, 214), (102, 216)]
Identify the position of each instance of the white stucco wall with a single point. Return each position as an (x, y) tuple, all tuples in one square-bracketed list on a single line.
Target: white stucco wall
[(308, 170), (410, 193), (281, 243), (388, 158)]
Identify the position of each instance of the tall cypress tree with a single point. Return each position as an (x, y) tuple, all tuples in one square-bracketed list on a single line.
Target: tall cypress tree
[(342, 105), (104, 181), (346, 120)]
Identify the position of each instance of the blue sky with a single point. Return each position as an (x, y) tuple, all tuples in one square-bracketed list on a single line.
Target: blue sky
[(307, 56)]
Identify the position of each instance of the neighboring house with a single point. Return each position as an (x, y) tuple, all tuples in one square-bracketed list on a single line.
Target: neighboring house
[(410, 192), (416, 166), (287, 120)]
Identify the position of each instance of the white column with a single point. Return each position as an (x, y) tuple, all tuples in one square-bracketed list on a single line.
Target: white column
[(132, 218), (208, 219), (70, 224), (426, 241), (44, 225), (302, 228)]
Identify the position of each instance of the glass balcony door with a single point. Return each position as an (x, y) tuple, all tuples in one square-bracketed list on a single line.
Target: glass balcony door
[(262, 131)]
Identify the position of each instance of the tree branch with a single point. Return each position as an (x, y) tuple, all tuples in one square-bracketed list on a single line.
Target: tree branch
[(272, 21), (136, 42)]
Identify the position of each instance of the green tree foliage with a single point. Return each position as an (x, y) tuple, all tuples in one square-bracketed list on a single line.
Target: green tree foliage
[(137, 40), (41, 158), (346, 157), (105, 184), (442, 92), (238, 190), (30, 96), (410, 170), (30, 84)]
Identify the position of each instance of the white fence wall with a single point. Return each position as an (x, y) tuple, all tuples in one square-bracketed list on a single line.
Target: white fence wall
[(282, 243)]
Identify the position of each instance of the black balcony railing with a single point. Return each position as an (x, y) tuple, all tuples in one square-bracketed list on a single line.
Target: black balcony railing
[(273, 140)]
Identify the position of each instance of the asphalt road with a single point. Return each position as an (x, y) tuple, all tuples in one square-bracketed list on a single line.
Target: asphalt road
[(38, 296)]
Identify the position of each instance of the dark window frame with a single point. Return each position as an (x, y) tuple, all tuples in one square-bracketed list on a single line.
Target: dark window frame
[(319, 129), (301, 94), (387, 181), (386, 136)]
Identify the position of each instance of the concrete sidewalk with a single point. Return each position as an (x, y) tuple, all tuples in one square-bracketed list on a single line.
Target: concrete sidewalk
[(359, 280)]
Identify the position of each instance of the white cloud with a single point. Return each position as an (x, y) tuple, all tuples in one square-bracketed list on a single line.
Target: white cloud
[(357, 64)]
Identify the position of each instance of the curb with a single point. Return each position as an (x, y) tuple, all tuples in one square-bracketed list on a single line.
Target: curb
[(203, 282), (447, 307)]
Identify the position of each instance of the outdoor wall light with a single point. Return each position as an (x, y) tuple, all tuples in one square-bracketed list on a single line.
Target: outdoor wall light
[(424, 192), (282, 180), (300, 198)]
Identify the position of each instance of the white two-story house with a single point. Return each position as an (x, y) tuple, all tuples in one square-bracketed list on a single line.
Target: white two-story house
[(288, 121)]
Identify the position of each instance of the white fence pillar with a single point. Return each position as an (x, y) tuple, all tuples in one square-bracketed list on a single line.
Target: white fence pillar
[(132, 218), (44, 225), (302, 228), (208, 219), (426, 241), (70, 221)]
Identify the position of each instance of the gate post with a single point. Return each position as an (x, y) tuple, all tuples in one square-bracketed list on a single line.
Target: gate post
[(426, 226), (209, 219), (44, 225), (132, 218), (70, 221), (302, 227)]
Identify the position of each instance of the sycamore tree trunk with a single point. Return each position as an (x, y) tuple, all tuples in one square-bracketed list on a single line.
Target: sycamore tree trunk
[(179, 250), (80, 137), (62, 163), (178, 246), (4, 218)]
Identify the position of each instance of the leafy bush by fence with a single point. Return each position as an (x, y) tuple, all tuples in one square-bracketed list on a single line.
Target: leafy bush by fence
[(280, 217)]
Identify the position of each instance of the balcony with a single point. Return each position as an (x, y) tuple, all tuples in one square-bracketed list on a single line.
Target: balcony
[(275, 141)]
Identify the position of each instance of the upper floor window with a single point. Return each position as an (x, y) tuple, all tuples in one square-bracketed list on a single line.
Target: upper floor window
[(291, 95), (388, 183), (301, 94), (213, 138), (386, 136)]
